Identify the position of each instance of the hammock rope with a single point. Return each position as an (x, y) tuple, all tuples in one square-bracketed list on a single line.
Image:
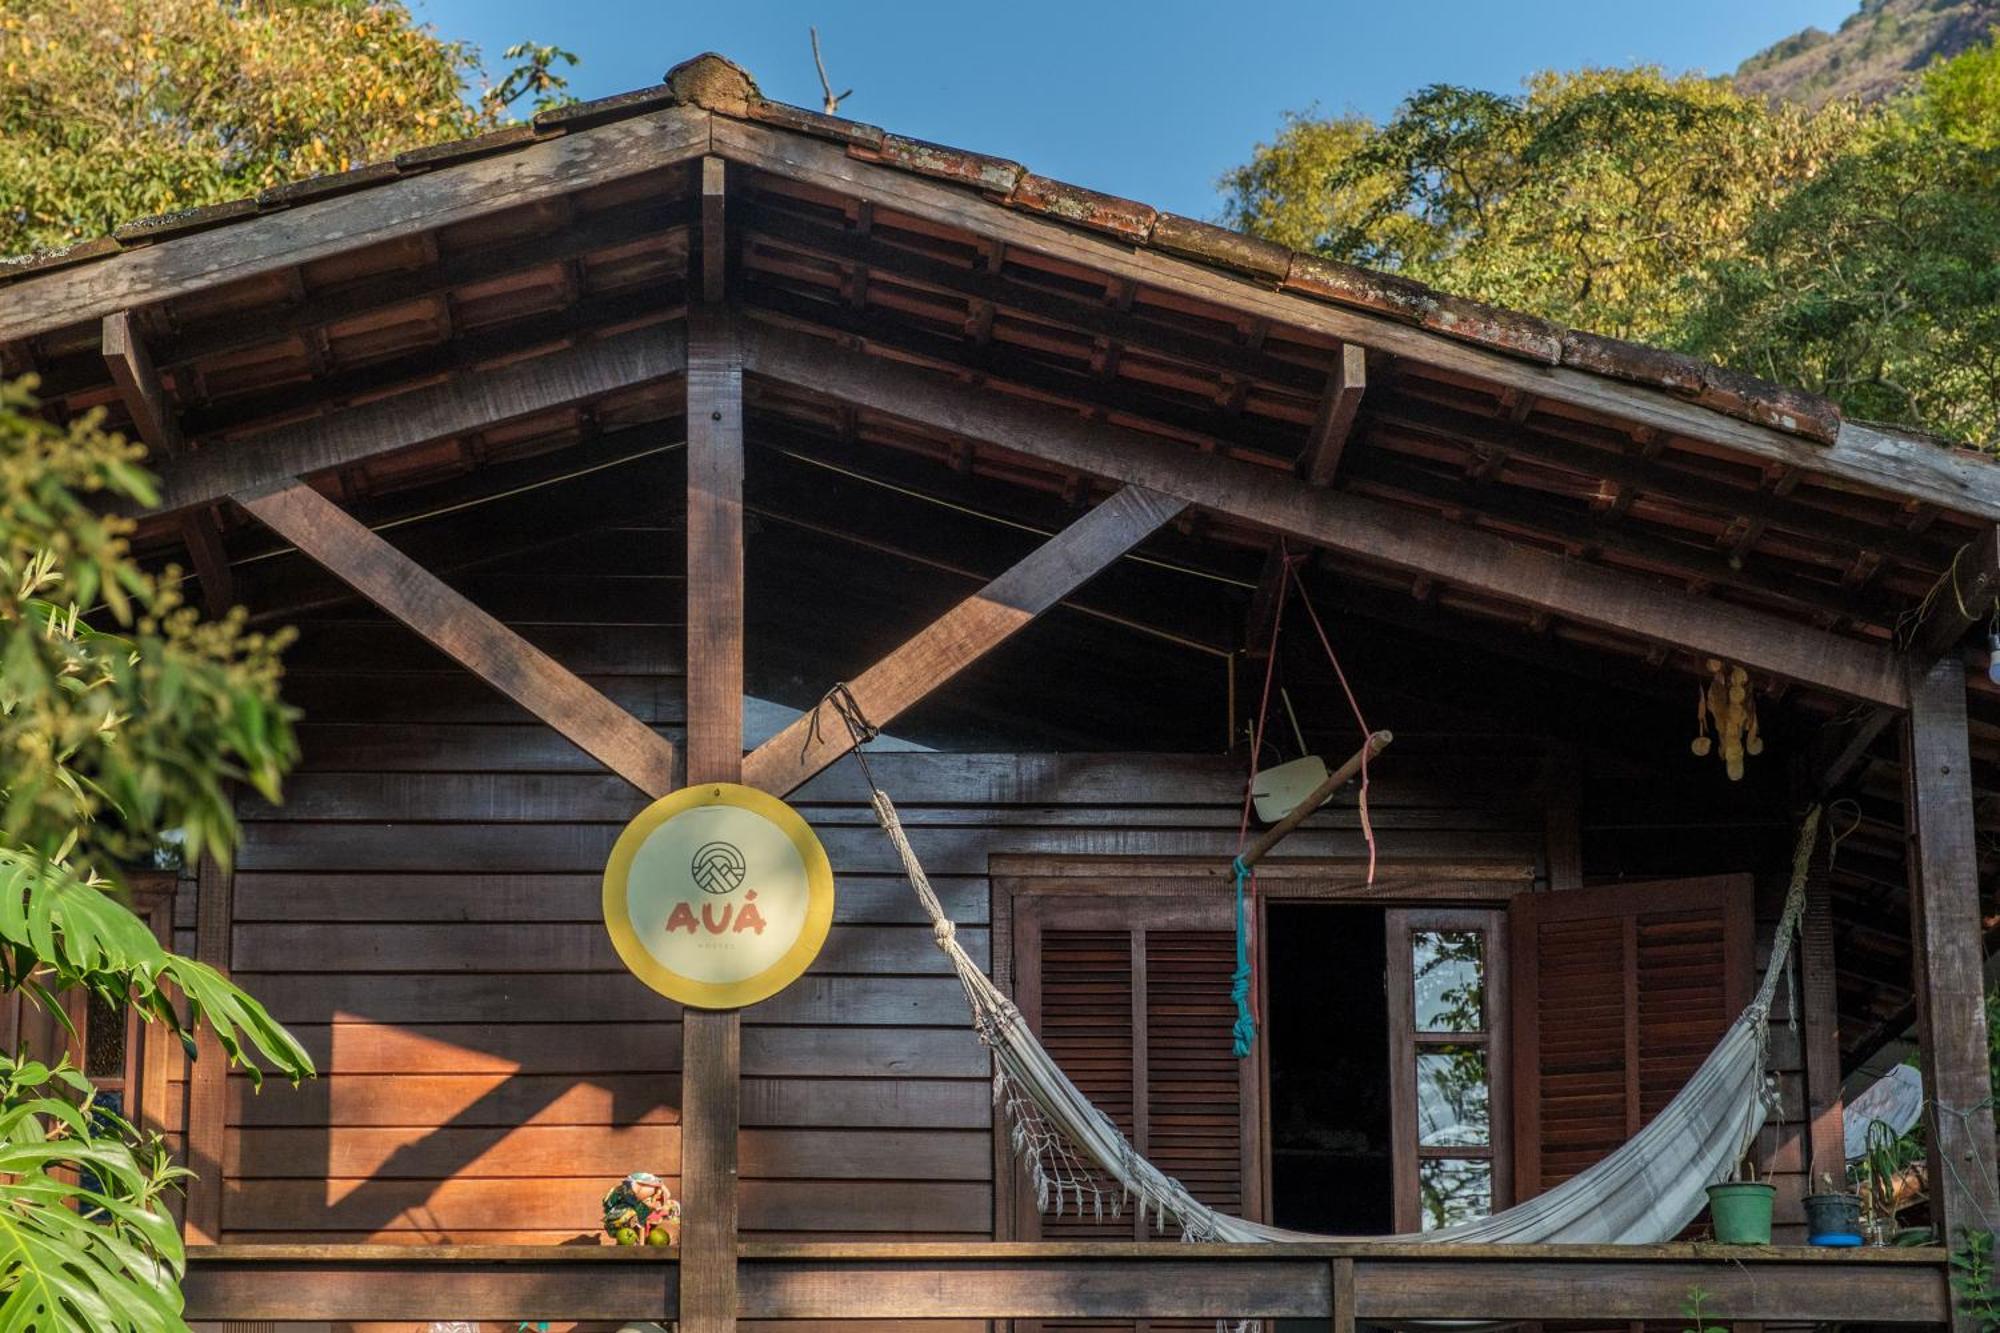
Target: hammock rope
[(1646, 1191)]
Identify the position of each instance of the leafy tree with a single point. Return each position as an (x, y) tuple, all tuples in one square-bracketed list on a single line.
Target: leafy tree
[(116, 109), (118, 731), (1589, 199), (1878, 283)]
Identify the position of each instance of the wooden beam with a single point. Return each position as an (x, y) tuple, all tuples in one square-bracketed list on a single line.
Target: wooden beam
[(471, 403), (1334, 422), (1946, 933), (1955, 479), (469, 636), (1819, 1002), (1367, 529), (1963, 599), (714, 234), (967, 632), (1865, 731), (138, 384), (280, 238), (1127, 1280), (712, 1040), (145, 400)]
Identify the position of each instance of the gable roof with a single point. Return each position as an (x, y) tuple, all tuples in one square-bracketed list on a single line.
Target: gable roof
[(1898, 461)]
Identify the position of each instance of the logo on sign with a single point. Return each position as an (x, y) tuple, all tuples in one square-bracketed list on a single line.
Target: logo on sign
[(718, 895), (718, 867)]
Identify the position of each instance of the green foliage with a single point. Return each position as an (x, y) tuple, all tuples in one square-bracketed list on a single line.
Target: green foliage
[(114, 109), (1588, 200), (1878, 283), (122, 716), (1692, 1311), (1853, 252), (1972, 1278), (101, 1253)]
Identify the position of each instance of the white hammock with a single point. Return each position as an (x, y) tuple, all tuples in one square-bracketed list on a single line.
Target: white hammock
[(1645, 1192)]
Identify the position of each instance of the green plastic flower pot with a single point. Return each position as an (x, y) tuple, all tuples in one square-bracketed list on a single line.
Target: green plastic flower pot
[(1741, 1211)]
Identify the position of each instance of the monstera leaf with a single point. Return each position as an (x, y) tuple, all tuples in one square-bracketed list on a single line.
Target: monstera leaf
[(60, 928), (84, 1240)]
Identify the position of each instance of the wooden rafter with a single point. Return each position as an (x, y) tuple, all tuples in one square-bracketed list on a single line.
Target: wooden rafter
[(466, 634), (965, 633), (1334, 422), (1862, 456), (179, 265), (1367, 529), (473, 403), (1963, 599)]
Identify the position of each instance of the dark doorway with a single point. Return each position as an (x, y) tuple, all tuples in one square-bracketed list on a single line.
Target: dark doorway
[(1327, 1019)]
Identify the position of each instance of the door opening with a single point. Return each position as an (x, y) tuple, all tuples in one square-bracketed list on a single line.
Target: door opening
[(1327, 1021)]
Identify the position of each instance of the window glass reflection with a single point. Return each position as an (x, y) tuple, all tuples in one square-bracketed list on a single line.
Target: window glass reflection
[(1450, 978)]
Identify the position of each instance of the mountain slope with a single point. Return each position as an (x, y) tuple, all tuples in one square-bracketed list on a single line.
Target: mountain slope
[(1878, 48)]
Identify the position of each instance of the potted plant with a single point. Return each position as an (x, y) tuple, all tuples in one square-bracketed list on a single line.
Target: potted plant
[(1833, 1217), (1740, 1209)]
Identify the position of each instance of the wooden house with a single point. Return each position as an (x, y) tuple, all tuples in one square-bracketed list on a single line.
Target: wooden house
[(588, 455)]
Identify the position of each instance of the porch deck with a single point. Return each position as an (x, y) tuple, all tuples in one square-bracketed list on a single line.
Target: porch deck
[(1337, 1282)]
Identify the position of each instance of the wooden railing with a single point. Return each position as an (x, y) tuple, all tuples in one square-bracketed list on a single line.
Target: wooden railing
[(999, 1280)]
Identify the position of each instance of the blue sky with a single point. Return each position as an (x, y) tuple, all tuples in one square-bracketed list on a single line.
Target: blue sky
[(1150, 101)]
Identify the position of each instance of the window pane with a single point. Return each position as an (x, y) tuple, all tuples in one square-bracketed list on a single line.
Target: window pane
[(1451, 1190), (1450, 977), (1451, 1097)]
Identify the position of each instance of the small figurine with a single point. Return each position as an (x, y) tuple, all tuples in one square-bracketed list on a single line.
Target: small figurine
[(641, 1210)]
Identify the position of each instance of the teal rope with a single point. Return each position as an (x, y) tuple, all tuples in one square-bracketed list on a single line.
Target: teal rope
[(1245, 1030)]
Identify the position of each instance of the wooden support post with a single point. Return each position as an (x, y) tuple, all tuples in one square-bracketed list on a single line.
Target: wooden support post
[(208, 1076), (1946, 937), (1342, 1320), (1826, 1138), (711, 1040), (365, 562), (968, 631)]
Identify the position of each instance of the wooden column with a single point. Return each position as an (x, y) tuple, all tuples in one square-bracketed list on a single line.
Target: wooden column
[(1826, 1138), (711, 1039), (208, 1076), (1946, 938)]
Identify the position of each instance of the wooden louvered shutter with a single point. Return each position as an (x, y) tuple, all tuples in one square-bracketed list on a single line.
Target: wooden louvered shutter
[(1619, 994), (1130, 994)]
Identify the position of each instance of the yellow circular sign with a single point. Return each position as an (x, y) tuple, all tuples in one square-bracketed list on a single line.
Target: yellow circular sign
[(718, 895)]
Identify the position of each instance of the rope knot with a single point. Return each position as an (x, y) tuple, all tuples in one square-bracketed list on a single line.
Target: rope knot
[(943, 930)]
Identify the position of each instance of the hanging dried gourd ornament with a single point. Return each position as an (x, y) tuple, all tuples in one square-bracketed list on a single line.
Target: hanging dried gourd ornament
[(1727, 701)]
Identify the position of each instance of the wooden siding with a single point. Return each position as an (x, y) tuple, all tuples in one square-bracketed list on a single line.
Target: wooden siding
[(423, 912)]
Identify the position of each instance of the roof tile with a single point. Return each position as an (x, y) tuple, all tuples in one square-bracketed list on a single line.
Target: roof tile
[(1638, 364), (788, 117), (463, 150), (183, 220), (1344, 284), (18, 265), (1491, 326), (1767, 404), (1219, 245), (325, 187), (995, 175), (1086, 208), (582, 115)]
